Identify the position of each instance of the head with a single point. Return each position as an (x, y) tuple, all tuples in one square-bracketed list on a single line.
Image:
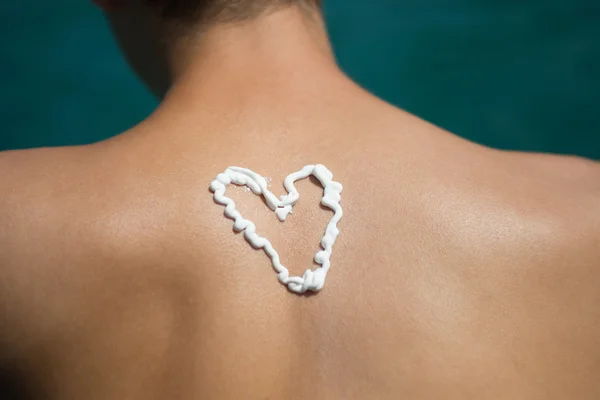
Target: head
[(148, 30)]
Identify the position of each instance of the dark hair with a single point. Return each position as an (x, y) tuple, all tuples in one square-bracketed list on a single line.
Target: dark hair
[(188, 11)]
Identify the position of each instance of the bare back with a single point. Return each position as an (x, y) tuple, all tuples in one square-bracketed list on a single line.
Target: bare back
[(460, 271)]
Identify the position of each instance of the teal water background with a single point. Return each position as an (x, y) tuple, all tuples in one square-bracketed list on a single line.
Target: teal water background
[(505, 73)]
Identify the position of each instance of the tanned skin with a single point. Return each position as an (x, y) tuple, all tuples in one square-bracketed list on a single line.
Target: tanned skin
[(461, 272)]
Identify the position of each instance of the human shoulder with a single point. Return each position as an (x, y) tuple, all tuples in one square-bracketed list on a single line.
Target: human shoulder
[(57, 198), (31, 184), (27, 203), (572, 186), (22, 169), (569, 168), (550, 200)]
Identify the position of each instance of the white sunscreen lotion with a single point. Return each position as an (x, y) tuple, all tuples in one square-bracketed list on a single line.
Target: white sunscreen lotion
[(312, 280)]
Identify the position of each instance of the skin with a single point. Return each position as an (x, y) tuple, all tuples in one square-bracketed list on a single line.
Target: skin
[(461, 271)]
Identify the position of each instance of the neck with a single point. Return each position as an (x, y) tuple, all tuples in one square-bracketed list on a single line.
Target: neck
[(277, 57), (281, 39)]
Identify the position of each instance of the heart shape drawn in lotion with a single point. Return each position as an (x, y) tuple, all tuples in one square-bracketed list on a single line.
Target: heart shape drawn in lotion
[(312, 280)]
